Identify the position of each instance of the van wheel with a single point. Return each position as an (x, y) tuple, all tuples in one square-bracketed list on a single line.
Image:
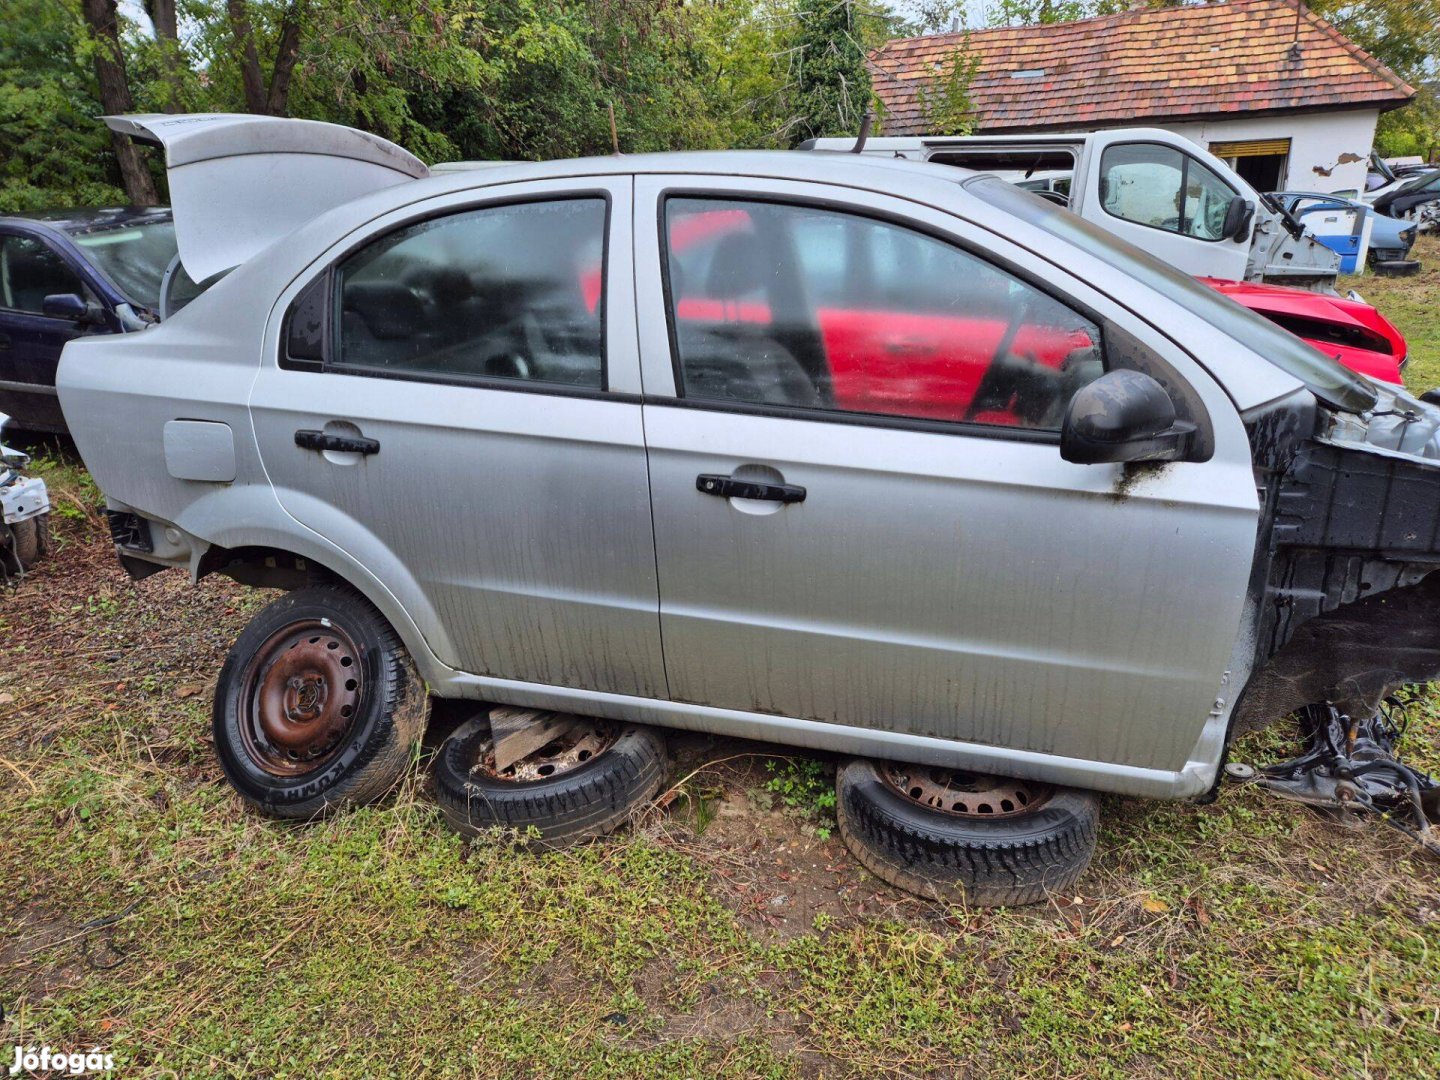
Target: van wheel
[(951, 835), (317, 706), (584, 784)]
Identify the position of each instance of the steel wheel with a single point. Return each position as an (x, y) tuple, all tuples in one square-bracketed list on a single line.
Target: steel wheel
[(303, 691), (965, 794)]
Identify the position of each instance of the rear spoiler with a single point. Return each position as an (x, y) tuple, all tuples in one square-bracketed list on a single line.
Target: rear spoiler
[(240, 182)]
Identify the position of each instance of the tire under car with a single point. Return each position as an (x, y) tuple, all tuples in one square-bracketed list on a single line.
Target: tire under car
[(952, 836), (318, 705), (585, 785)]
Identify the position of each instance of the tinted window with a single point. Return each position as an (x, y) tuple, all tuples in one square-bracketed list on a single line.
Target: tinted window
[(31, 270), (791, 305), (509, 292), (1327, 379), (1159, 186), (133, 258)]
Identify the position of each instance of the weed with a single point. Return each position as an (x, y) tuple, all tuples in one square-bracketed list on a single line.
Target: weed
[(807, 786)]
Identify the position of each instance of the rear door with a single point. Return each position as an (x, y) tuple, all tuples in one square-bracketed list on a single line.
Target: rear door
[(457, 407), (843, 536), (1165, 199), (30, 341)]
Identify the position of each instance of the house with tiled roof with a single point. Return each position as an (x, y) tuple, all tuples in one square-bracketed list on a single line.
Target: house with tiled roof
[(1268, 85)]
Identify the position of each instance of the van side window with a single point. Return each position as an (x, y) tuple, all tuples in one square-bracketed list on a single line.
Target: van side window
[(781, 304), (502, 292), (1161, 187)]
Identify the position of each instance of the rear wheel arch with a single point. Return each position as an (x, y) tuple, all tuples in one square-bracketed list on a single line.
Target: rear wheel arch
[(275, 567)]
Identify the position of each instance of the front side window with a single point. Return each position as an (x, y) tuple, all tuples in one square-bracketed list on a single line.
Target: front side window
[(778, 304), (502, 292), (31, 270), (1155, 185)]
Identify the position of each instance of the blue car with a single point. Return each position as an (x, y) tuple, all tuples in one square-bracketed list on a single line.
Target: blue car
[(1390, 240), (68, 273)]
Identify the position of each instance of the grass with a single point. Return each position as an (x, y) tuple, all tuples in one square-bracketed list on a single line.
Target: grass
[(1413, 305), (727, 935)]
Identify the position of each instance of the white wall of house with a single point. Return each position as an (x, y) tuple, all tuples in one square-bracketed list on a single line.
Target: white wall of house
[(1317, 142)]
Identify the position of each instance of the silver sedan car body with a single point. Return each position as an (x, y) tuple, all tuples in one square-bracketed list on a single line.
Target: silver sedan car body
[(949, 590)]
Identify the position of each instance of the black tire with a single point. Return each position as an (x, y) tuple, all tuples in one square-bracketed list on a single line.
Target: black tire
[(28, 542), (984, 861), (1396, 267), (347, 758), (586, 802)]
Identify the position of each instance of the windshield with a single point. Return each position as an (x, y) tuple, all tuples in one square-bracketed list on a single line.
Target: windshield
[(1329, 381), (134, 257)]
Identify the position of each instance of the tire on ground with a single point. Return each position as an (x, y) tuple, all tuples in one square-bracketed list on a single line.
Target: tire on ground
[(985, 862), (389, 709), (580, 804)]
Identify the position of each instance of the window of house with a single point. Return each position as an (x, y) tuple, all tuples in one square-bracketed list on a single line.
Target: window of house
[(780, 304)]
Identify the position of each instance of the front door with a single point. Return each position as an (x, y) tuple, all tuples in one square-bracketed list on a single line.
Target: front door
[(30, 340), (451, 411), (1165, 200), (861, 513)]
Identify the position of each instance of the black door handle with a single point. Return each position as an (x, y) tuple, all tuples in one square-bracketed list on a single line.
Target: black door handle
[(308, 439), (726, 487), (4, 341)]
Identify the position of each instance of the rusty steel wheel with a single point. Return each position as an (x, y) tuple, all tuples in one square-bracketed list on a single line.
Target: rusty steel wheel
[(952, 835), (965, 794), (303, 689), (584, 784), (317, 705)]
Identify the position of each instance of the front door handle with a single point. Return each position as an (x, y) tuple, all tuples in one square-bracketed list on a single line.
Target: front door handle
[(727, 487), (4, 341), (309, 439)]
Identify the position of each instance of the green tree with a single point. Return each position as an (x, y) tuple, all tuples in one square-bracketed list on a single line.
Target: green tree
[(52, 151), (1405, 36), (830, 76)]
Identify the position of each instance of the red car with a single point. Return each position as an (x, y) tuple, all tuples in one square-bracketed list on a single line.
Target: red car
[(947, 350), (1351, 331)]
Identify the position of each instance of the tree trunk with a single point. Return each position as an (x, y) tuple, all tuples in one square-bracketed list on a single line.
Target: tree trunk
[(287, 52), (104, 23), (250, 78), (167, 35)]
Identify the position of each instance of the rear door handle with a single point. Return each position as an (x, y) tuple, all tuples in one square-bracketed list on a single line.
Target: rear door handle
[(726, 487), (309, 439)]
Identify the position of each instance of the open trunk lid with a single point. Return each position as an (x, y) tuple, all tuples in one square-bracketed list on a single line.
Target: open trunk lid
[(240, 182)]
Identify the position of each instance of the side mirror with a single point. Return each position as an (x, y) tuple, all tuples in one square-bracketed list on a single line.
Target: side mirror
[(72, 306), (1123, 416), (1237, 219)]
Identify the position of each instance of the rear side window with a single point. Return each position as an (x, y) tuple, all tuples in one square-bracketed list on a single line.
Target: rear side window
[(31, 270), (778, 304), (503, 292), (1159, 186)]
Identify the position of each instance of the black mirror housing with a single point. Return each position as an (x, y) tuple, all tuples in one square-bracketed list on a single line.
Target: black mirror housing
[(1237, 219), (1123, 416)]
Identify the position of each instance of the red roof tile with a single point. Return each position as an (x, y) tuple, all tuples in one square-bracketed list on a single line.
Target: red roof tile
[(1154, 64)]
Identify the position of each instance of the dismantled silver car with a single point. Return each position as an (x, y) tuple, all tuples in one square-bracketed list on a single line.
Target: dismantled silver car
[(24, 514), (876, 457)]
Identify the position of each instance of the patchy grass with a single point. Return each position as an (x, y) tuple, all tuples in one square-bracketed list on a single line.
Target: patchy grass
[(1413, 305), (147, 913)]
